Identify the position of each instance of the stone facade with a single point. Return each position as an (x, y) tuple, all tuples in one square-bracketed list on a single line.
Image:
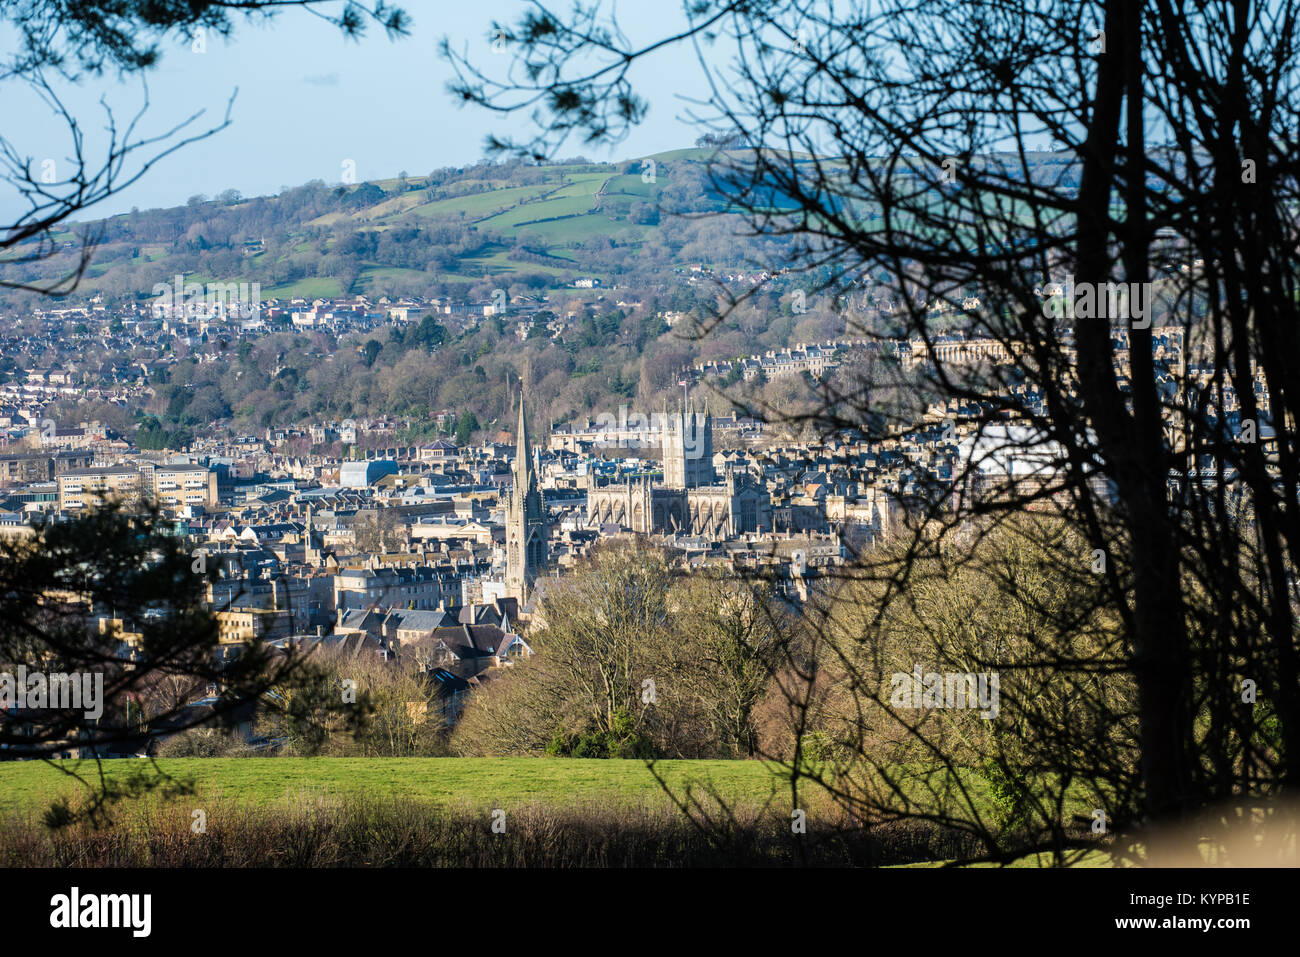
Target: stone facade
[(687, 446), (688, 502)]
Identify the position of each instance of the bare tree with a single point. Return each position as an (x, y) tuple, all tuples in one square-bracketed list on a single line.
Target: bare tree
[(59, 43), (1103, 196), (111, 565), (732, 636)]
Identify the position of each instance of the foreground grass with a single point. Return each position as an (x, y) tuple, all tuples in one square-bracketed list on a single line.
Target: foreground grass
[(28, 788), (437, 812), (402, 833), (1074, 859), (434, 812)]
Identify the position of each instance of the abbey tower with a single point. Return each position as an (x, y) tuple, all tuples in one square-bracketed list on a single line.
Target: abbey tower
[(687, 444)]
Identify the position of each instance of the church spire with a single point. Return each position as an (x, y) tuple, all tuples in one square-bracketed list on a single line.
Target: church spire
[(525, 517), (523, 449)]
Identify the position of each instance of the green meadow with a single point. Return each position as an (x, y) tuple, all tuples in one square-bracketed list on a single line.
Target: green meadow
[(29, 787), (612, 811)]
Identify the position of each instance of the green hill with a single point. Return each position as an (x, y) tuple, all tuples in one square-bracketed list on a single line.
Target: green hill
[(542, 226), (537, 227)]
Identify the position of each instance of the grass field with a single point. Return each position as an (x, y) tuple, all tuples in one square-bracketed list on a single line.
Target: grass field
[(582, 227), (480, 205), (419, 811), (379, 279), (498, 262), (313, 287), (28, 788)]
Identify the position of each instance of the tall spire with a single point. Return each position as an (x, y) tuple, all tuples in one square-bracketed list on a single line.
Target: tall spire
[(525, 516), (523, 450)]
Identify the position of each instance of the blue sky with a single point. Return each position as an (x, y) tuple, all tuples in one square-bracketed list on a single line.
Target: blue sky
[(309, 99)]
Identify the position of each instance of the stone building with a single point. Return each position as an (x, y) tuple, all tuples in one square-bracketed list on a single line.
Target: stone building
[(525, 518), (688, 502), (687, 446)]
